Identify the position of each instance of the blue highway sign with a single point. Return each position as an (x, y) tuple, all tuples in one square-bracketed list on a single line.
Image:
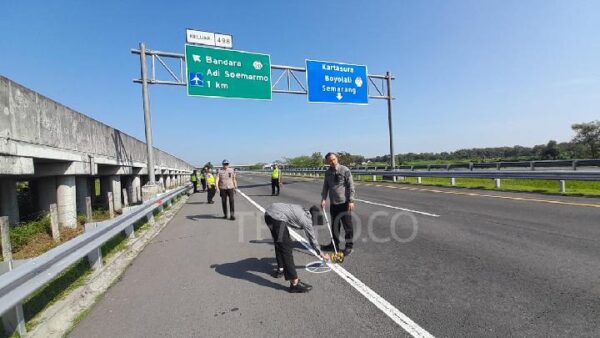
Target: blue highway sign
[(335, 82)]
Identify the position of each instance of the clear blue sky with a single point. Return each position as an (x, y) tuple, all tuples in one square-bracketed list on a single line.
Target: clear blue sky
[(469, 73)]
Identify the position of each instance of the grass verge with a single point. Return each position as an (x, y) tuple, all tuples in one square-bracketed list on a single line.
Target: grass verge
[(70, 279), (573, 188)]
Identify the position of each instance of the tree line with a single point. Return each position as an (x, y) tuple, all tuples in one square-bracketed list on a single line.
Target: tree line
[(585, 144)]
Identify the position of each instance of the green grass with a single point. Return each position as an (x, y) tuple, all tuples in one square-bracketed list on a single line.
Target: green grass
[(57, 289), (141, 226), (113, 246), (100, 214), (580, 188), (22, 234), (588, 188)]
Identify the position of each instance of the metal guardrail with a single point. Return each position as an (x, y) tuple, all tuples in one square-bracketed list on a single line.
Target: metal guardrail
[(546, 170), (18, 284), (491, 174), (508, 165)]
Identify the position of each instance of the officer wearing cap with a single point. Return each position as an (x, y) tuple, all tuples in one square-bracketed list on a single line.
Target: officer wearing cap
[(226, 185)]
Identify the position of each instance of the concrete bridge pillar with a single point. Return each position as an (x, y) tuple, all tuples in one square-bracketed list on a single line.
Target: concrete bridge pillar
[(9, 205), (83, 189), (168, 182), (66, 197), (46, 193), (116, 190), (161, 183), (112, 184), (136, 188), (126, 182)]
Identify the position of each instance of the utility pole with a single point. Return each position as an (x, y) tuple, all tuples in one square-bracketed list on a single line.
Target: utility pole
[(388, 77), (147, 119)]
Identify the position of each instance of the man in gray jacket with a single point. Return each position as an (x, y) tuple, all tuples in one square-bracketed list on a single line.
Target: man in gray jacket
[(280, 216), (339, 186)]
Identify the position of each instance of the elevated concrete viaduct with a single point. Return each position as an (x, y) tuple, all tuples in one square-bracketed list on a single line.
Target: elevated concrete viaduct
[(62, 154)]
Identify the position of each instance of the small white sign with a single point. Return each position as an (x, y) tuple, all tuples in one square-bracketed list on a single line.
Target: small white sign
[(223, 40), (199, 37), (208, 38)]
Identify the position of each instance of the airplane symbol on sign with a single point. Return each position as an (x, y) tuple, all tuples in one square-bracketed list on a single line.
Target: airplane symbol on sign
[(196, 80)]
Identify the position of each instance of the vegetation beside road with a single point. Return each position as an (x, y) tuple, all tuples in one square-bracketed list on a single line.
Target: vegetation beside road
[(585, 144), (581, 188)]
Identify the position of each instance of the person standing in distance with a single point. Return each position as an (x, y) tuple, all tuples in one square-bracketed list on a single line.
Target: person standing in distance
[(203, 179), (226, 185), (194, 180), (275, 180), (211, 182), (339, 186)]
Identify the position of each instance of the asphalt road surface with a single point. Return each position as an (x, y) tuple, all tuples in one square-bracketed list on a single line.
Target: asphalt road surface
[(450, 262)]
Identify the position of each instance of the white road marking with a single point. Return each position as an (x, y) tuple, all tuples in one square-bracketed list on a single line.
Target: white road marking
[(397, 208), (398, 317)]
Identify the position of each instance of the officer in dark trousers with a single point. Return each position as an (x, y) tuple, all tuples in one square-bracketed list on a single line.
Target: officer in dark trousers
[(203, 179), (194, 180), (212, 189), (275, 181), (226, 186), (339, 186)]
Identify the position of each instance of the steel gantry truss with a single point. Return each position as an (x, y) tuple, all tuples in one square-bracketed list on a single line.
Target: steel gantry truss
[(289, 80)]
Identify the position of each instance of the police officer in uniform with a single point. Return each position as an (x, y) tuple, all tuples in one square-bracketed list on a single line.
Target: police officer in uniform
[(275, 181), (203, 179), (194, 180), (226, 186), (212, 189), (339, 187)]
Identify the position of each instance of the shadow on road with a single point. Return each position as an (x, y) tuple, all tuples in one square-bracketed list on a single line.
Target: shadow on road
[(244, 270), (199, 217), (297, 245)]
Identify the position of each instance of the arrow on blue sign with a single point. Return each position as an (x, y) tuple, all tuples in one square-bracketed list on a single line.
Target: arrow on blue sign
[(336, 82)]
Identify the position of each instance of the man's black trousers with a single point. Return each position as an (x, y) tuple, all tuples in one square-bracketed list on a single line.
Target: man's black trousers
[(203, 182), (227, 194), (283, 247), (274, 185), (341, 216), (195, 183)]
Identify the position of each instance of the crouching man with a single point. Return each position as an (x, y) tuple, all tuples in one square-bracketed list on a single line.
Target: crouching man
[(280, 216)]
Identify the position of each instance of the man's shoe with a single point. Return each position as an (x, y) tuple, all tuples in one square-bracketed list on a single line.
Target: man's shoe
[(232, 218), (277, 273), (347, 252), (301, 287), (225, 217), (328, 247)]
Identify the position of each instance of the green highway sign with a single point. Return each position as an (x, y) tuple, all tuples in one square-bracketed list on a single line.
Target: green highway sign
[(216, 72)]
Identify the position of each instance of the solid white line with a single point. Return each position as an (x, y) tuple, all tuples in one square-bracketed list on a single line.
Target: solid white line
[(397, 208), (398, 317)]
